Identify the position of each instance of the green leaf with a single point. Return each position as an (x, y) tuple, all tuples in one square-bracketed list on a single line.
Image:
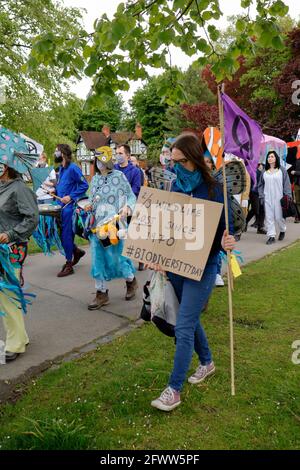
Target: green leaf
[(87, 51), (240, 25), (207, 15), (91, 69), (213, 33), (278, 43)]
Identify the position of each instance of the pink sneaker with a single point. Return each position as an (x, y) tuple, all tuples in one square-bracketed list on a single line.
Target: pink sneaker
[(201, 373), (168, 400)]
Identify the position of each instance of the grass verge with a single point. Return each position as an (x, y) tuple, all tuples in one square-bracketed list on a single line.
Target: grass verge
[(102, 401)]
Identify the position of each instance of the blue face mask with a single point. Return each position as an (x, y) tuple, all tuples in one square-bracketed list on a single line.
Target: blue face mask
[(187, 180), (120, 158)]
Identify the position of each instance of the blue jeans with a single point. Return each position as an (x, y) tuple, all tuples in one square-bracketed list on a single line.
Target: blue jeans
[(219, 265), (190, 335)]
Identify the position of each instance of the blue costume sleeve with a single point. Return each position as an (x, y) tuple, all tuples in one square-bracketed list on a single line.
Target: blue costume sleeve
[(81, 187), (136, 182)]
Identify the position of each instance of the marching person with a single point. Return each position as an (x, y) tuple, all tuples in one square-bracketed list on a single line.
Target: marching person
[(110, 195), (18, 219), (193, 179), (124, 165), (257, 210), (43, 193), (71, 185), (273, 185), (211, 166)]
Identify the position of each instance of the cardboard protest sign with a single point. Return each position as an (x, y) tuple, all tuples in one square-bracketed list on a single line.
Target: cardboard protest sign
[(173, 230)]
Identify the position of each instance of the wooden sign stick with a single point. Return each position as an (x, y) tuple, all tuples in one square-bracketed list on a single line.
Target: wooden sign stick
[(229, 271)]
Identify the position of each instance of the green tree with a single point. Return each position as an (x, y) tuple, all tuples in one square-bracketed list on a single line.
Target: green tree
[(23, 23), (196, 91), (49, 127), (37, 101), (140, 35), (111, 112)]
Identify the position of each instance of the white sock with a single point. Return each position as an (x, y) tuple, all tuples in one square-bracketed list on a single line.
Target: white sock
[(100, 285)]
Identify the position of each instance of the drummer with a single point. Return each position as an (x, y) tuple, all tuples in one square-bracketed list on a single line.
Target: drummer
[(110, 194), (71, 186), (43, 193)]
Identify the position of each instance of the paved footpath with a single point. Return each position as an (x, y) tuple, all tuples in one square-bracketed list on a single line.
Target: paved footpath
[(60, 326)]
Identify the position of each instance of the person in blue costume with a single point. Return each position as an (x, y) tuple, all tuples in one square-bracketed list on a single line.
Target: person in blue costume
[(110, 195), (131, 172), (193, 179), (71, 186)]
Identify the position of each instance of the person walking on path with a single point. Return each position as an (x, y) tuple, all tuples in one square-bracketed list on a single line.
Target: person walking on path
[(274, 184), (110, 195), (71, 186), (18, 219), (131, 172), (194, 179)]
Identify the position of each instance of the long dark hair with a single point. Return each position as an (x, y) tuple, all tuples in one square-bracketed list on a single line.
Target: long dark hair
[(277, 164), (12, 174), (190, 146), (66, 151)]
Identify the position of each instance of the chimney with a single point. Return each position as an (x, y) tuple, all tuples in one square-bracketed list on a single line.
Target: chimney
[(106, 130), (138, 131)]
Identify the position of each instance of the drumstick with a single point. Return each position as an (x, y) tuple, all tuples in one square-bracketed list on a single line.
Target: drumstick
[(53, 195)]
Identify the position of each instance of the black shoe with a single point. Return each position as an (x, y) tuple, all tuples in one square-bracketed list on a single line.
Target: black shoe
[(281, 236), (262, 231), (297, 220), (11, 356), (141, 266), (254, 225), (78, 254), (270, 241)]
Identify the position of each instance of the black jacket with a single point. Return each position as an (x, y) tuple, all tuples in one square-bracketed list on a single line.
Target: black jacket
[(296, 176)]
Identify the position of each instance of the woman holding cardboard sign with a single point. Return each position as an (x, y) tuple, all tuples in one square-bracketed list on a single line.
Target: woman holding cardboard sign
[(193, 178)]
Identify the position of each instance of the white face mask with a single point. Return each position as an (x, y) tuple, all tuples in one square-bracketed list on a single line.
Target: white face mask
[(2, 169), (100, 165)]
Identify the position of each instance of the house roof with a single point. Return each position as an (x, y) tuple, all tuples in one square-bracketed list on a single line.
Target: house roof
[(121, 137), (124, 137), (93, 140)]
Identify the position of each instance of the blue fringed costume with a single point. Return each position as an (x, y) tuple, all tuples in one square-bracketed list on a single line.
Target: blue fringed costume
[(108, 195)]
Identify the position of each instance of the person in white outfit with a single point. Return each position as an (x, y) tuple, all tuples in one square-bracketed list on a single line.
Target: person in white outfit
[(274, 184)]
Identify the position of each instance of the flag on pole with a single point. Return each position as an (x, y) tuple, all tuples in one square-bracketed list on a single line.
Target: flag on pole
[(243, 135)]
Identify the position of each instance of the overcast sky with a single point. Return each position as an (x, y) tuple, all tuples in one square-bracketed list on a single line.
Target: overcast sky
[(96, 8)]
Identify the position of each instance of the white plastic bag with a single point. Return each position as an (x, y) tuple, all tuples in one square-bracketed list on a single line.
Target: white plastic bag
[(164, 304)]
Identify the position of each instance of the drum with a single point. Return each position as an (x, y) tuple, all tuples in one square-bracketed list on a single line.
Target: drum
[(53, 210), (81, 203)]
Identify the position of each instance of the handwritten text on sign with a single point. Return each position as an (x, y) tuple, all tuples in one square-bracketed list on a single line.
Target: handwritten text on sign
[(173, 230)]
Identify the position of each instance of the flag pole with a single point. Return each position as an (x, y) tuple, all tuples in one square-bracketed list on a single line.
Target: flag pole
[(229, 271)]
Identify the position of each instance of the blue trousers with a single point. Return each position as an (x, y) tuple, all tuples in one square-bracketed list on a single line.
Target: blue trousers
[(190, 335), (219, 265), (67, 234)]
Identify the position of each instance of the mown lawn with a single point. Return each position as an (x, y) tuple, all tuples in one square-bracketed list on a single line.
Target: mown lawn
[(102, 401)]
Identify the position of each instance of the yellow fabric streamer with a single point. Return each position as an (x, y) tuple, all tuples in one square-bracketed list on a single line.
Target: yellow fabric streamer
[(235, 267)]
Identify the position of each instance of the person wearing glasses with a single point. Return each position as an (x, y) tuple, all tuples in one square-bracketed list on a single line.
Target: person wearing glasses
[(194, 179)]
